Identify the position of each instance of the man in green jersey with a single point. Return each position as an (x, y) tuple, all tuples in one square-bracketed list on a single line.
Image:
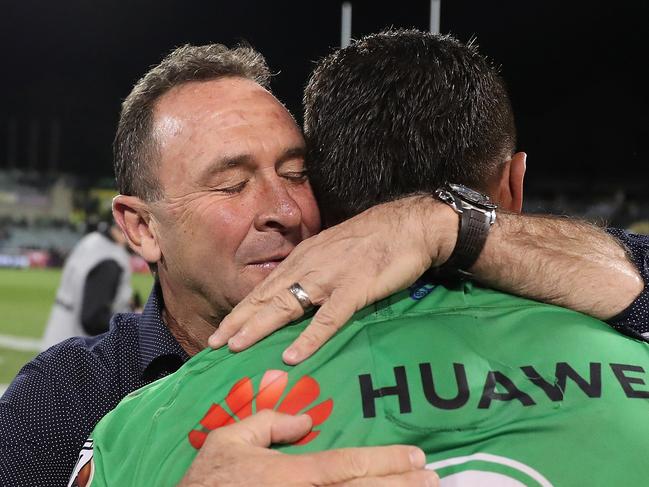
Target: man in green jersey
[(467, 374), (497, 390)]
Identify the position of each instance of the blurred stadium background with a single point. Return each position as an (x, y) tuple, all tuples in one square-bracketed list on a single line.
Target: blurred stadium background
[(577, 73)]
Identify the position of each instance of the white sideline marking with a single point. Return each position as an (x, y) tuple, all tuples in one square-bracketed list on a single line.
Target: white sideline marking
[(3, 388), (20, 343)]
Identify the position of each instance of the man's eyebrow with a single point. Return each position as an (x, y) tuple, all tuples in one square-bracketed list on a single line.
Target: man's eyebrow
[(223, 163), (292, 153)]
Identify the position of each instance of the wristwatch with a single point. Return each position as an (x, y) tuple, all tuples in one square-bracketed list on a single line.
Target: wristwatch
[(477, 214)]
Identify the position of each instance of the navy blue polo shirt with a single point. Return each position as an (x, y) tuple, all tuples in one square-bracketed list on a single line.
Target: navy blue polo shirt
[(55, 401), (634, 320)]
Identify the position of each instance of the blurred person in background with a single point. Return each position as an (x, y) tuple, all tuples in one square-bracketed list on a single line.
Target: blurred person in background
[(95, 284), (214, 194)]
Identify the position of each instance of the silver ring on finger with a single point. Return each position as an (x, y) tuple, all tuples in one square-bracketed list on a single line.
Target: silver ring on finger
[(301, 295)]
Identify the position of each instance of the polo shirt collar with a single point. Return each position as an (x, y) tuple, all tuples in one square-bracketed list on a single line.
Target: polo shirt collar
[(157, 343)]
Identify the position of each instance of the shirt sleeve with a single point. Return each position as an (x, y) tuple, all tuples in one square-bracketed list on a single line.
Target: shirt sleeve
[(32, 437), (98, 295), (635, 319)]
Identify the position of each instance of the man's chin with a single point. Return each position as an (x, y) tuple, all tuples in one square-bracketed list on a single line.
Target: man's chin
[(265, 267), (259, 272), (255, 273)]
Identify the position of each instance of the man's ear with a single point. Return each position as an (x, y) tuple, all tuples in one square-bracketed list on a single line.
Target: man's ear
[(134, 218), (510, 187)]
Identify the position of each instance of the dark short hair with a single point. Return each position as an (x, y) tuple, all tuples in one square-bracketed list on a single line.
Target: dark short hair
[(399, 112), (134, 146)]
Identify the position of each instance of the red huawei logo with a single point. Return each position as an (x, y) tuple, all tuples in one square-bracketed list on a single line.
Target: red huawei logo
[(242, 395)]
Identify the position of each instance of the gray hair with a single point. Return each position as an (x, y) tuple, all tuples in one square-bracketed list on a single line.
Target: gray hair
[(134, 147)]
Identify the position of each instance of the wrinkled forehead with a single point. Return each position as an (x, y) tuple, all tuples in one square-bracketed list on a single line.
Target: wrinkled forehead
[(199, 123), (225, 103)]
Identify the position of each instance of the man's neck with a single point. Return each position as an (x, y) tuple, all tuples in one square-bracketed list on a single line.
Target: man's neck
[(189, 338), (190, 326)]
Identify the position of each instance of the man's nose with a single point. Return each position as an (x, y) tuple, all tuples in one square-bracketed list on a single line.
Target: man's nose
[(278, 211)]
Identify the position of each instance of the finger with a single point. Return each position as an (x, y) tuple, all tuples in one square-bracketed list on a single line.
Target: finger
[(261, 297), (282, 309), (238, 317), (263, 429), (418, 478), (331, 316), (350, 463)]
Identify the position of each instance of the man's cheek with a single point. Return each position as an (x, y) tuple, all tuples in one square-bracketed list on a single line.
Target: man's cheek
[(310, 214)]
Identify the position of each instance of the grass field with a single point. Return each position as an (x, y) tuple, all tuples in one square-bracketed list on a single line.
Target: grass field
[(26, 296)]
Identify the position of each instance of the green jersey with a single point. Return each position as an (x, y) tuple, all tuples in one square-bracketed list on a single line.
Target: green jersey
[(496, 389)]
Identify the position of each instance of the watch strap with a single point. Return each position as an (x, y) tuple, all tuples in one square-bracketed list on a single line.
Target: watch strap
[(472, 234)]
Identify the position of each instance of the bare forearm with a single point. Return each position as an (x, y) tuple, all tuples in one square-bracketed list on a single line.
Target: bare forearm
[(560, 261), (388, 247)]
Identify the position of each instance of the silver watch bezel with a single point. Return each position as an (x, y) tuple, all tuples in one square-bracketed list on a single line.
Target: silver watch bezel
[(454, 195)]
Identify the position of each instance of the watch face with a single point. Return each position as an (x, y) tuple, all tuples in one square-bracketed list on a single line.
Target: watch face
[(470, 195)]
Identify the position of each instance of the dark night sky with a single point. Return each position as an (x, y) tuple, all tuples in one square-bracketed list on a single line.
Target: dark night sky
[(576, 70)]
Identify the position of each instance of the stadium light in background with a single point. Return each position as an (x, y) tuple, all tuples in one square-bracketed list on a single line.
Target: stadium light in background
[(346, 20), (434, 15), (346, 24)]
